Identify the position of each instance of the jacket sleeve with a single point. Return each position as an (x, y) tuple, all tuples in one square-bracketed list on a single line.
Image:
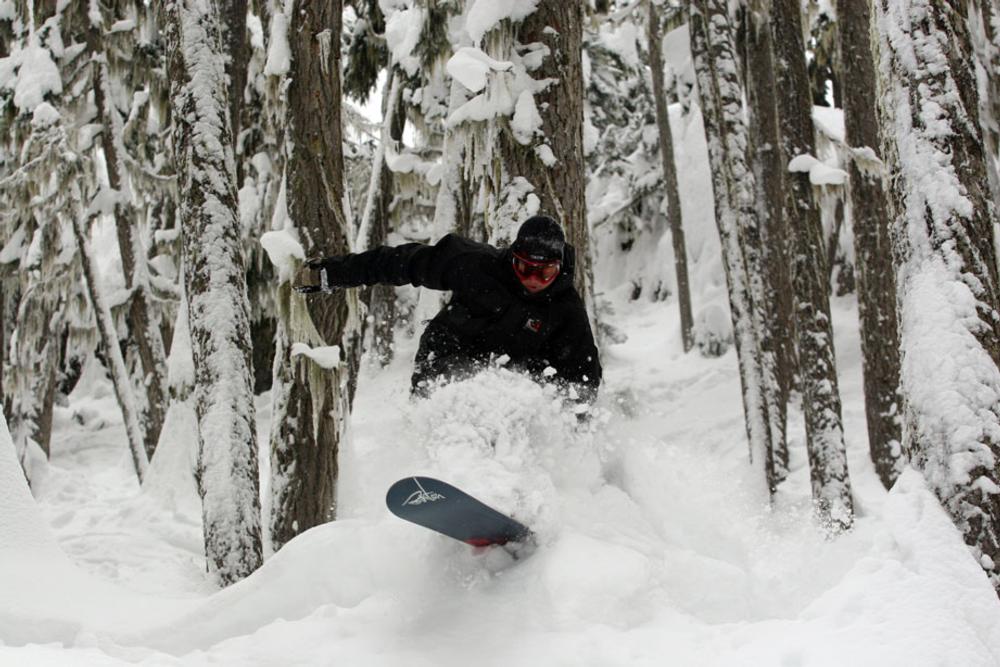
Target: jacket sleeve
[(575, 357), (415, 264)]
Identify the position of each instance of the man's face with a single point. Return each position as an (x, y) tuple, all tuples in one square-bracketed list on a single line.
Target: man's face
[(535, 275)]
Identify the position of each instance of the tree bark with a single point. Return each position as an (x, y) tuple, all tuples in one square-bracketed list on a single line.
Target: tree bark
[(876, 274), (3, 342), (236, 69), (666, 143), (381, 299), (142, 322), (944, 246), (831, 485), (559, 26), (116, 363), (215, 284), (769, 177), (312, 404), (721, 98), (989, 20)]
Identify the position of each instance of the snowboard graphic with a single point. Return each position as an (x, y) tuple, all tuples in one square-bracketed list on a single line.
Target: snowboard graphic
[(440, 506)]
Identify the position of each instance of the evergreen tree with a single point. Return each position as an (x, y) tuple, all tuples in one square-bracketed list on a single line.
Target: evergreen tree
[(215, 287), (142, 320), (872, 245), (984, 28), (769, 179), (721, 97), (810, 279), (944, 248), (673, 197), (312, 404), (39, 171)]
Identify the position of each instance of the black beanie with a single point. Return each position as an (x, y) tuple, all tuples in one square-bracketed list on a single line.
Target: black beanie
[(540, 238)]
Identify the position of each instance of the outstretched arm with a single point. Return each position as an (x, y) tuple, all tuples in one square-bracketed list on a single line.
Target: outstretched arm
[(415, 264)]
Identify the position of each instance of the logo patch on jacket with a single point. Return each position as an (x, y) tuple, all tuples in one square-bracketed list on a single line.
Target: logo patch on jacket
[(533, 325)]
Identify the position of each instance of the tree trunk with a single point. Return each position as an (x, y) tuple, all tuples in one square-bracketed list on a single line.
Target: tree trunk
[(143, 324), (34, 361), (721, 98), (560, 187), (872, 246), (312, 404), (236, 69), (984, 24), (943, 239), (381, 299), (215, 284), (3, 341), (666, 142), (116, 363), (769, 177), (831, 485)]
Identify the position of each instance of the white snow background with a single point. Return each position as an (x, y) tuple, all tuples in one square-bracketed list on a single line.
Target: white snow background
[(656, 542)]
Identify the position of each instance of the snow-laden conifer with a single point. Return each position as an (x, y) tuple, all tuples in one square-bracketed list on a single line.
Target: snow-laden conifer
[(673, 197), (769, 181), (216, 292), (313, 390), (943, 241), (142, 319), (42, 97), (721, 100), (876, 276), (810, 278)]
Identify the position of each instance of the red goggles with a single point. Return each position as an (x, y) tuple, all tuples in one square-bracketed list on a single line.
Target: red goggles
[(538, 272)]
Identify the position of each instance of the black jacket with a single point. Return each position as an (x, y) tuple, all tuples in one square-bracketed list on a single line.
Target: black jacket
[(489, 313)]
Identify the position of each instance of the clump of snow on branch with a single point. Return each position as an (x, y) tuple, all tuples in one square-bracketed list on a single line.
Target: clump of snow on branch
[(485, 15), (469, 66), (402, 33), (327, 357), (283, 249), (279, 54), (31, 75), (820, 173)]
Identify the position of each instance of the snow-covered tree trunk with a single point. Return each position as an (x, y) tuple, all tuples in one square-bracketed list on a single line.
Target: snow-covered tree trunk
[(215, 286), (556, 168), (35, 356), (5, 323), (876, 276), (312, 402), (769, 178), (115, 361), (381, 299), (984, 24), (831, 485), (943, 238), (143, 323), (673, 196), (721, 99), (238, 54)]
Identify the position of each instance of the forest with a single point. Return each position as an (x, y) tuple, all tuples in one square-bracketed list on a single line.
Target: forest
[(785, 222)]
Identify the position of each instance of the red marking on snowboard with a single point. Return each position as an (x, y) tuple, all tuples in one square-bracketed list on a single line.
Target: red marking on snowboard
[(483, 541)]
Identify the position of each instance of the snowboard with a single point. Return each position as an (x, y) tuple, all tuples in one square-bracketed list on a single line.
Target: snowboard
[(450, 511)]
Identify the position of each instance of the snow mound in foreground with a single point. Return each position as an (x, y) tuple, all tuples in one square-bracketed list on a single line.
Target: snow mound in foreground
[(386, 593)]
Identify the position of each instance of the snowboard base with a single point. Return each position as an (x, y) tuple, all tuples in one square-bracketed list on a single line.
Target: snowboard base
[(448, 510)]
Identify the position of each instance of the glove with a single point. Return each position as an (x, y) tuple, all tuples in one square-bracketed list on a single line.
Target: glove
[(322, 275)]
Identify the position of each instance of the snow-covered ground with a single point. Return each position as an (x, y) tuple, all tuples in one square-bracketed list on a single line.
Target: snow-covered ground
[(656, 543)]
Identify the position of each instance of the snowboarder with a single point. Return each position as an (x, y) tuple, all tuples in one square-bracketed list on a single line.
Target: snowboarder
[(517, 302)]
